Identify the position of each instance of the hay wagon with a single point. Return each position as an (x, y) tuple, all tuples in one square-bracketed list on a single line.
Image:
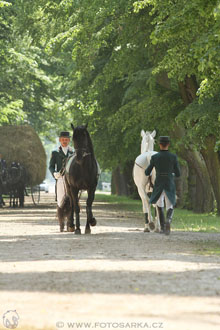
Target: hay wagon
[(23, 145)]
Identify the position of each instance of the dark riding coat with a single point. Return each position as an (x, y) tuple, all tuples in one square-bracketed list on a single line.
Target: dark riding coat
[(57, 159), (166, 166)]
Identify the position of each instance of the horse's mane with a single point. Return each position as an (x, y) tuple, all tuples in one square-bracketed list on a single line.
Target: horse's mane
[(90, 144)]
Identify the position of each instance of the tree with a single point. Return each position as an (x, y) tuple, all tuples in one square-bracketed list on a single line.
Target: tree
[(189, 32), (121, 66), (28, 83)]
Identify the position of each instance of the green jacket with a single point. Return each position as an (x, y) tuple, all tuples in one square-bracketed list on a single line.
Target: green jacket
[(166, 165), (57, 160)]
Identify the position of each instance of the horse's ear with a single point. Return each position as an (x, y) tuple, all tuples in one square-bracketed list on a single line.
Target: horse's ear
[(86, 125), (153, 134), (142, 133), (72, 127)]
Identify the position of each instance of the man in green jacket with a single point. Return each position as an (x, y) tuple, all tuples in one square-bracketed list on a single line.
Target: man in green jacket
[(56, 164), (166, 166)]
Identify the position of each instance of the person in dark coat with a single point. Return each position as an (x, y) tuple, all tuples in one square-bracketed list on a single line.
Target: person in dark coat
[(56, 164), (166, 166)]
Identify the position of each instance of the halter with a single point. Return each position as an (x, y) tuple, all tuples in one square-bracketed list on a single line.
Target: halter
[(84, 152)]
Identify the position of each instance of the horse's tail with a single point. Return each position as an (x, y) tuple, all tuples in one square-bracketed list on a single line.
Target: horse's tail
[(63, 212)]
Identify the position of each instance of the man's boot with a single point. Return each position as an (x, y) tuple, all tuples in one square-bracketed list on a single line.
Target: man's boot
[(168, 221), (162, 220), (146, 228)]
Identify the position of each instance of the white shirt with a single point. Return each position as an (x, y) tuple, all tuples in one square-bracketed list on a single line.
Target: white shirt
[(65, 149)]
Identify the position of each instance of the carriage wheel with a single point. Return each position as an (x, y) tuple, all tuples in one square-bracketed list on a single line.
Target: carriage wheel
[(35, 194)]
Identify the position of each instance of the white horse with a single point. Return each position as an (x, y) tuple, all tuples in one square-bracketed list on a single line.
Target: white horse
[(145, 183)]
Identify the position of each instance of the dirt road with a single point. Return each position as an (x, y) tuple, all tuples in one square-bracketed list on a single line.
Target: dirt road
[(117, 277)]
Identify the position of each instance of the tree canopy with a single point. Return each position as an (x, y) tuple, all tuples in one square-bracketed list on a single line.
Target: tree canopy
[(120, 65)]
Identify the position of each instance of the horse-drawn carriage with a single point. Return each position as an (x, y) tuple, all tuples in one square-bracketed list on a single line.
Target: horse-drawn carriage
[(25, 164), (13, 186)]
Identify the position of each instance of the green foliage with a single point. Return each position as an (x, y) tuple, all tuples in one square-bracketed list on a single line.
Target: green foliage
[(190, 32), (29, 83), (4, 4), (109, 82), (11, 112), (201, 120), (107, 63)]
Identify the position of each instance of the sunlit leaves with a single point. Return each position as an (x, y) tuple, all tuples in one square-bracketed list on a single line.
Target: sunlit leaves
[(190, 32), (4, 4)]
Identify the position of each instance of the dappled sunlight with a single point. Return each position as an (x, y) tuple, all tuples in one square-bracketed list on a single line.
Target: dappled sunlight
[(117, 263)]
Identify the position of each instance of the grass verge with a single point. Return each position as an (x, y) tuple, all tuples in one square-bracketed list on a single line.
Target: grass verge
[(207, 248), (183, 220)]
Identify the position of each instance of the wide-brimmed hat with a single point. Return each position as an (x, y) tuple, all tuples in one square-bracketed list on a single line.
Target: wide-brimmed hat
[(64, 134), (164, 139)]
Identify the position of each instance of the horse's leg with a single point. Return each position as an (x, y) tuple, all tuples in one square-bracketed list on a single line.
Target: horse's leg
[(70, 219), (11, 198), (21, 197), (70, 207), (75, 193), (141, 180), (146, 207), (14, 198), (157, 219), (91, 221)]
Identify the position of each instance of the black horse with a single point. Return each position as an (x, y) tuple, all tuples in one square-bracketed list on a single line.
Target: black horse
[(16, 184), (82, 175)]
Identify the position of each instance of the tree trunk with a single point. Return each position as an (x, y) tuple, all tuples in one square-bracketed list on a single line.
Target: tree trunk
[(119, 183), (212, 161), (188, 89), (200, 189), (182, 187), (201, 181), (200, 192), (122, 181)]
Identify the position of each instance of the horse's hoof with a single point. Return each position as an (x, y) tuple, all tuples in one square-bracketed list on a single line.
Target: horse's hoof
[(87, 231), (146, 230), (61, 230), (71, 229), (93, 222), (78, 232), (151, 225)]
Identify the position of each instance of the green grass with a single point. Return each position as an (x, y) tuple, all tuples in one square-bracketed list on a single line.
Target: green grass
[(183, 219), (122, 203), (190, 221), (207, 248)]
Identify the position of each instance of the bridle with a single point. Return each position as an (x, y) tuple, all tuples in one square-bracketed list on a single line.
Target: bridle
[(84, 152)]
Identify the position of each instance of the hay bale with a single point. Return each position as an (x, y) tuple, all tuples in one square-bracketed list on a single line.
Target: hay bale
[(22, 144)]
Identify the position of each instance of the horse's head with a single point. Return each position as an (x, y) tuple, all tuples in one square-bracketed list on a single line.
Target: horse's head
[(14, 173), (147, 143), (81, 142)]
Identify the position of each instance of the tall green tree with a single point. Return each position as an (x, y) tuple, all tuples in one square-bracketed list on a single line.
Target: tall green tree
[(190, 33), (28, 80), (122, 66)]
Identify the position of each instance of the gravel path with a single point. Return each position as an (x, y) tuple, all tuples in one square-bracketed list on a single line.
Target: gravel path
[(117, 277)]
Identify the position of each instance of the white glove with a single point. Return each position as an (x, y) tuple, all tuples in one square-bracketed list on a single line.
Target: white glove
[(57, 175)]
